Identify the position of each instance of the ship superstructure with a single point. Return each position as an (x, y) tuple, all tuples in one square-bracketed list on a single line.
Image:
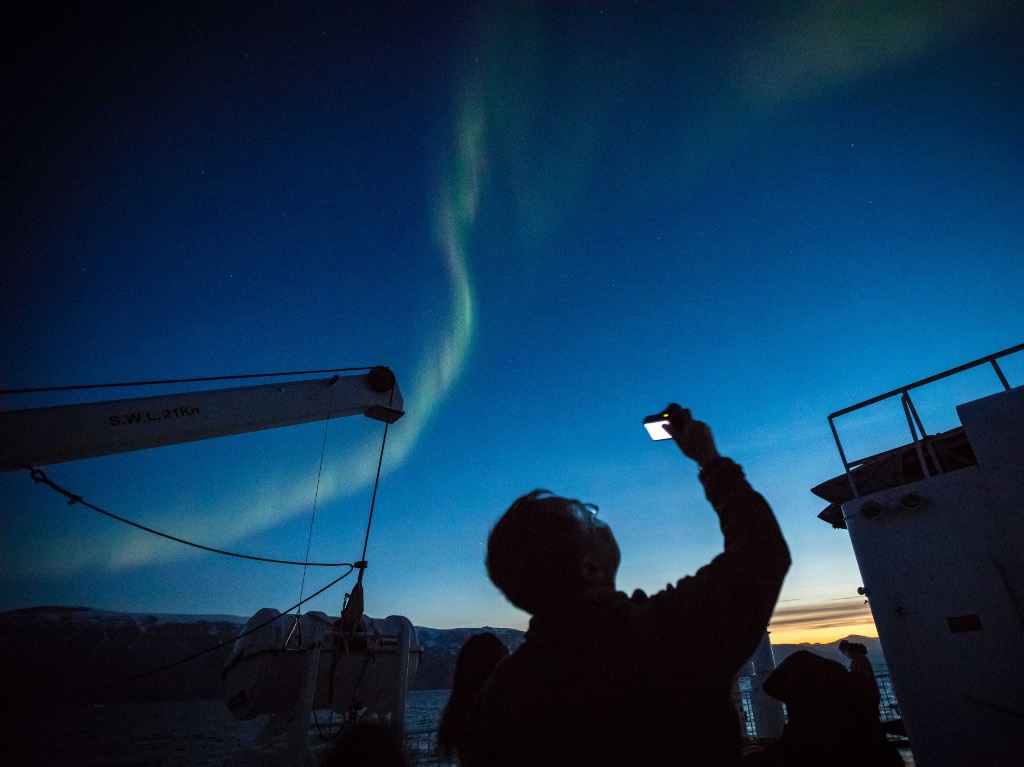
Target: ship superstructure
[(937, 528)]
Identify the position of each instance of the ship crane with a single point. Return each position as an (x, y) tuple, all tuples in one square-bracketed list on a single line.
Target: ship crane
[(44, 436), (284, 669)]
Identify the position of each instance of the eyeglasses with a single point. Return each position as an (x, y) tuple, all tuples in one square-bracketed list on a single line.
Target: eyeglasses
[(586, 512)]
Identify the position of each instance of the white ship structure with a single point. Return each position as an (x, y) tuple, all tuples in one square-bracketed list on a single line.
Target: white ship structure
[(937, 528)]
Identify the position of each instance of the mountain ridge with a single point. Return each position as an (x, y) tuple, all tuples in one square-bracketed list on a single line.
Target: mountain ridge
[(78, 654)]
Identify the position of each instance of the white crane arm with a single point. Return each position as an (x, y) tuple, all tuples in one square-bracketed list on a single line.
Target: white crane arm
[(42, 436)]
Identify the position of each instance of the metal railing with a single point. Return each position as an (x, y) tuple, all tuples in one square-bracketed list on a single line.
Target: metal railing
[(747, 709), (424, 752), (423, 749), (889, 708), (917, 430)]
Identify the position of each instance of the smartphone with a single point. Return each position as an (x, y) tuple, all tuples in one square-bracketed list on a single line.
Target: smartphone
[(654, 424)]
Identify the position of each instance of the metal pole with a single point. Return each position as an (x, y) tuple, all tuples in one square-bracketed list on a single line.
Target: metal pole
[(1002, 378), (404, 644), (298, 735), (924, 435), (913, 433), (849, 474)]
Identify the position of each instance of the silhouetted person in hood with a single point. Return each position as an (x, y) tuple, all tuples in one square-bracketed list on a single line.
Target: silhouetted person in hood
[(827, 720), (477, 659), (862, 673), (368, 744), (605, 679)]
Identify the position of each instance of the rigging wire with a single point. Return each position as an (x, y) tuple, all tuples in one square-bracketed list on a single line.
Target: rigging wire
[(316, 493), (40, 477), (180, 380), (234, 639), (352, 608), (376, 482)]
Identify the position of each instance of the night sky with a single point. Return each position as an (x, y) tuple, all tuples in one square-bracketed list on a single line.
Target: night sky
[(550, 220)]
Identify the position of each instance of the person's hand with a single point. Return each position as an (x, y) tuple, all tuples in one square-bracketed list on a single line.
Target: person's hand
[(693, 437)]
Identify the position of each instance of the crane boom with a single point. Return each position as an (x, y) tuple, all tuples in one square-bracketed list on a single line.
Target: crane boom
[(42, 436)]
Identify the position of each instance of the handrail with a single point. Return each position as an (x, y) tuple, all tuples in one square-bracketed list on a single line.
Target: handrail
[(952, 371), (917, 431)]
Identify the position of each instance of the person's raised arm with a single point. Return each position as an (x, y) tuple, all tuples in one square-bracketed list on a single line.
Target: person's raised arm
[(738, 589)]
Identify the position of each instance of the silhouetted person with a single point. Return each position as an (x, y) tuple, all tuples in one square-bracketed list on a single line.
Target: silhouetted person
[(477, 659), (862, 673), (863, 676), (367, 744), (827, 721), (605, 679)]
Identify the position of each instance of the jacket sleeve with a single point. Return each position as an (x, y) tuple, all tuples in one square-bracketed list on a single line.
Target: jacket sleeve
[(723, 609)]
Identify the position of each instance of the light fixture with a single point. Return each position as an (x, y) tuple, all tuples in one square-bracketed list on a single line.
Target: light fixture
[(911, 501), (871, 509)]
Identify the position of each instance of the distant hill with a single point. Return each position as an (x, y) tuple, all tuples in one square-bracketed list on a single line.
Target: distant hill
[(831, 650), (71, 655), (441, 647), (78, 655)]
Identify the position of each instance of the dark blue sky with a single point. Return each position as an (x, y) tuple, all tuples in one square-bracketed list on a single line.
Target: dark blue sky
[(548, 219)]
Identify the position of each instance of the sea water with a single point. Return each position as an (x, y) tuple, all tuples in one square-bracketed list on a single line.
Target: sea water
[(198, 733)]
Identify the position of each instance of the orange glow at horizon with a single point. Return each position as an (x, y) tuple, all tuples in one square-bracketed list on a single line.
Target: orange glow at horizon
[(814, 635), (821, 622)]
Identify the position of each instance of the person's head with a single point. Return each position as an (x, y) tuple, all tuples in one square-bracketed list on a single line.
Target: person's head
[(547, 551), (818, 692), (367, 744), (477, 659), (852, 649)]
